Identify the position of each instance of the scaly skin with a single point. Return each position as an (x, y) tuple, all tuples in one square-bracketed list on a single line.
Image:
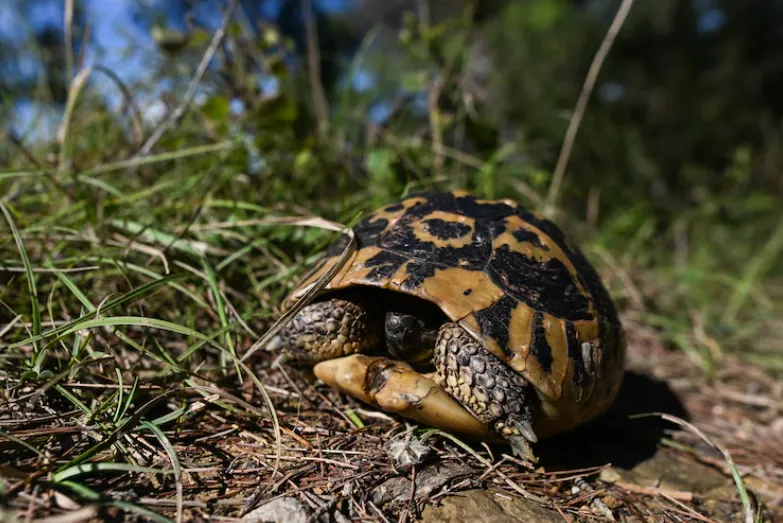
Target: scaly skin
[(326, 330), (484, 387), (492, 391)]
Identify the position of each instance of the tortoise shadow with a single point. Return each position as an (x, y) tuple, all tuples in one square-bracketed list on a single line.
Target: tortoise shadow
[(615, 437)]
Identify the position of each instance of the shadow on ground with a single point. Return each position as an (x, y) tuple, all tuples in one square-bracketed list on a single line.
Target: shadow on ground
[(615, 437)]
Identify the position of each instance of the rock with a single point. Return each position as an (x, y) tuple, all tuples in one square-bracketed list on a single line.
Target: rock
[(487, 506), (281, 510), (665, 471)]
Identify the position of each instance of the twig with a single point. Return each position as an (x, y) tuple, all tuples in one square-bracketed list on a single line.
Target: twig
[(515, 486), (138, 127), (74, 90), (31, 505), (74, 516), (435, 123), (378, 511), (68, 40), (320, 105), (328, 461), (14, 139), (596, 502), (687, 509), (174, 116), (581, 104), (85, 41), (316, 286)]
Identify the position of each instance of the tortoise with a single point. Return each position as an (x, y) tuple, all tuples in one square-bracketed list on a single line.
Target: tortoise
[(523, 336)]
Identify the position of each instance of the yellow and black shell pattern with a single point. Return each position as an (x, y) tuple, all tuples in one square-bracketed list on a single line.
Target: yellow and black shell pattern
[(510, 278)]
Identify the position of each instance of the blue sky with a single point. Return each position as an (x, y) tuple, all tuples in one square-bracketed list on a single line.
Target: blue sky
[(115, 31)]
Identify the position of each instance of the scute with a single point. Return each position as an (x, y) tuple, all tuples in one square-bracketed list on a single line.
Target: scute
[(510, 278)]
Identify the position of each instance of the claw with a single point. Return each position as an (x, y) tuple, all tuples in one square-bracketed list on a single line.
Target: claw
[(521, 447), (526, 429), (395, 387)]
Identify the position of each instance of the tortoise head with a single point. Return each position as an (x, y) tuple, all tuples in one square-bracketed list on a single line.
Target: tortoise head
[(409, 337)]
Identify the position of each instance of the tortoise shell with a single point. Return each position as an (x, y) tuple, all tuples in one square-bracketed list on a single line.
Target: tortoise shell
[(506, 275)]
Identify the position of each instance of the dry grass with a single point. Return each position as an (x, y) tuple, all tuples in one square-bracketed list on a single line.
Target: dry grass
[(200, 447)]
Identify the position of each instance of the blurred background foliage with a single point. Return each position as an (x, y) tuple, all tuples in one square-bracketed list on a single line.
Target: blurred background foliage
[(335, 107)]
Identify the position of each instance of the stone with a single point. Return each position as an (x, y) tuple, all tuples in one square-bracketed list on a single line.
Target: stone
[(488, 506), (665, 471), (281, 510)]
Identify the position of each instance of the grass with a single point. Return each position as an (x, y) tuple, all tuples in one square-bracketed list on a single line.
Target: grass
[(123, 302), (132, 287), (115, 277)]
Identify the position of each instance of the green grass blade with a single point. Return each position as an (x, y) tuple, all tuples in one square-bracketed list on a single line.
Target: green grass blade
[(34, 305), (22, 443), (73, 399), (71, 326), (217, 296), (91, 495), (128, 401), (355, 419), (120, 389), (90, 468), (141, 321), (116, 433), (175, 465), (754, 273)]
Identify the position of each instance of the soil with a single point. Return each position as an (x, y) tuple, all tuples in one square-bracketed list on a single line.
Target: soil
[(619, 468)]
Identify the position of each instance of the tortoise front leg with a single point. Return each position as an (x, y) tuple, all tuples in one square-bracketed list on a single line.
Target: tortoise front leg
[(394, 386), (495, 393), (325, 330)]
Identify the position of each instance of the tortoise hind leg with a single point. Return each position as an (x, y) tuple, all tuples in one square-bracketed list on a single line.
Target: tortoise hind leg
[(496, 394), (326, 330)]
